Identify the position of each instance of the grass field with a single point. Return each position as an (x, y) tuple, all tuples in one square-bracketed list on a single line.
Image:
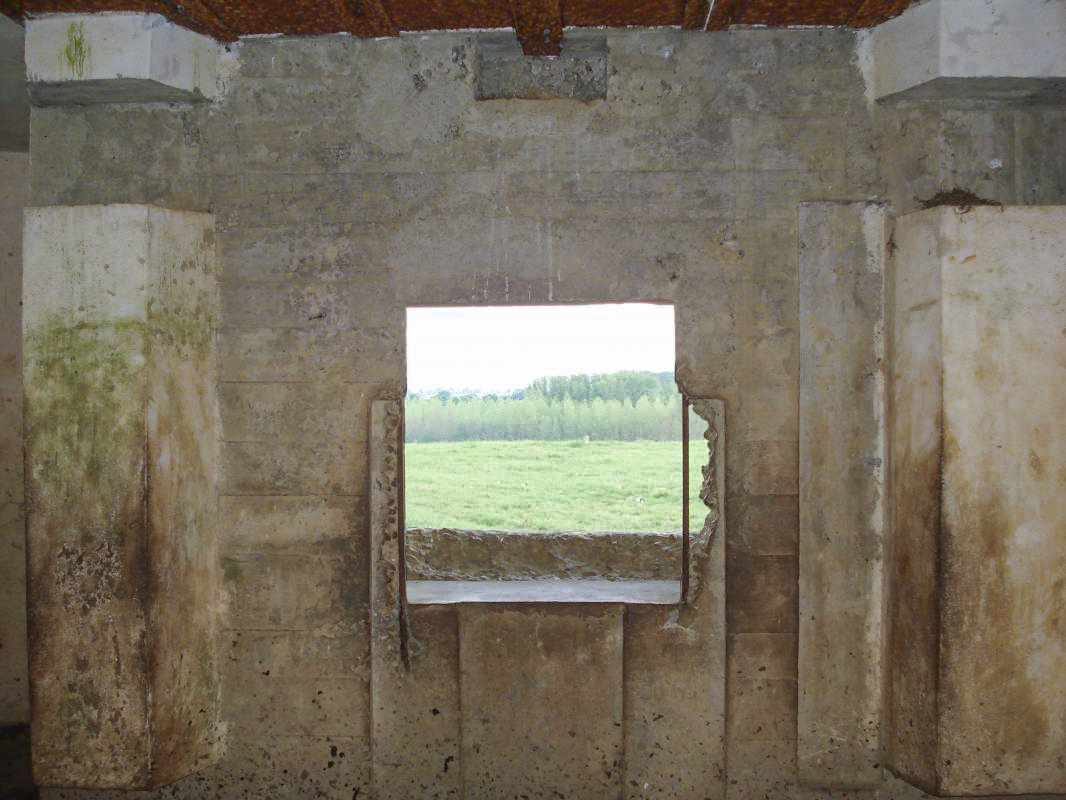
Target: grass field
[(545, 486)]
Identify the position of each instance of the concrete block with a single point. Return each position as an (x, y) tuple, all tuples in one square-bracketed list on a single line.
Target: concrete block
[(975, 558), (78, 59), (842, 453), (295, 524), (301, 354), (121, 448), (547, 681), (294, 592), (762, 656), (295, 412), (290, 468), (417, 714), (766, 525), (1010, 50), (762, 709), (762, 594), (769, 467), (675, 726)]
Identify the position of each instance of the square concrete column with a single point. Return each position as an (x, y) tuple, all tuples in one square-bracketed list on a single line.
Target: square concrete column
[(976, 551), (120, 443)]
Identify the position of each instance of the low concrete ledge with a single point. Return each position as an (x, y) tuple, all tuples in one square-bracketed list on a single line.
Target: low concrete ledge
[(81, 59), (1007, 52), (450, 554), (544, 591)]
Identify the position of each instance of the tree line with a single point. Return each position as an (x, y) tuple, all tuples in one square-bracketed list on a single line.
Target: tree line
[(621, 406)]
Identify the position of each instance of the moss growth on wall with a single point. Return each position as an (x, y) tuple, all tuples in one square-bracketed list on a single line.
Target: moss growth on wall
[(77, 54), (84, 416)]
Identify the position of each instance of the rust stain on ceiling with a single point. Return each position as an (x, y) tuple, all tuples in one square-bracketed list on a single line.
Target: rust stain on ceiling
[(538, 23)]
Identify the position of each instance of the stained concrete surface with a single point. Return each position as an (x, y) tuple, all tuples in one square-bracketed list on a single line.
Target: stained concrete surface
[(974, 693), (121, 447), (683, 186), (14, 102), (842, 266)]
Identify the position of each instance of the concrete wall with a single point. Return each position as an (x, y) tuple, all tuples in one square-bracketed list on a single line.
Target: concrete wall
[(350, 178)]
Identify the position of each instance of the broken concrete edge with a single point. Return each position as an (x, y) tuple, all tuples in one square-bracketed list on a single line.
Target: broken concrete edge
[(117, 57), (712, 494), (970, 50)]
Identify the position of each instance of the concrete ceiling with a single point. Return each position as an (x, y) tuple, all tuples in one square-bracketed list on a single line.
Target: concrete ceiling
[(538, 23)]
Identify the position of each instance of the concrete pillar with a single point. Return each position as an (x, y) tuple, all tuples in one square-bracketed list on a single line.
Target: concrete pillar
[(841, 480), (117, 58), (120, 441), (976, 555)]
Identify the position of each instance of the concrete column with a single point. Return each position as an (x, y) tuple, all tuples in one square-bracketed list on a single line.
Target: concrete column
[(841, 482), (976, 555), (120, 441), (117, 58)]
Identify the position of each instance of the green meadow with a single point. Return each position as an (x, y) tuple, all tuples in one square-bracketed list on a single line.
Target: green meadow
[(624, 486)]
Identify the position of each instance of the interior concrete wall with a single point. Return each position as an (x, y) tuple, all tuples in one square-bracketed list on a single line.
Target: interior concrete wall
[(350, 178)]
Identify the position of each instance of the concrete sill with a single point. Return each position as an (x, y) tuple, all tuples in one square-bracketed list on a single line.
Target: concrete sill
[(552, 590)]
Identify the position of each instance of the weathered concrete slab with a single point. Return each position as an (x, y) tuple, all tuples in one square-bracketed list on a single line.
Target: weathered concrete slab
[(980, 688), (1010, 50), (543, 681), (80, 59), (842, 254), (121, 449), (503, 71)]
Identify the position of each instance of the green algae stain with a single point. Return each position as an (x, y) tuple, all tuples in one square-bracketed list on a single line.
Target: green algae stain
[(230, 571), (77, 54), (85, 418)]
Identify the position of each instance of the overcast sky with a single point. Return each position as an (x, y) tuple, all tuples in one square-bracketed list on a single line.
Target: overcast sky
[(503, 348)]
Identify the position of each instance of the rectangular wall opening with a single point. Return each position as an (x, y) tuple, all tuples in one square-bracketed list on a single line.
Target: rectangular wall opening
[(543, 454)]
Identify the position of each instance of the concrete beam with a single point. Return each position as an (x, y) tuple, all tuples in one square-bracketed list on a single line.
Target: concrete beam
[(970, 50), (80, 59)]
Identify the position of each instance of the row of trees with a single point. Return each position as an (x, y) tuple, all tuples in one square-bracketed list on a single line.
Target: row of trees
[(625, 406)]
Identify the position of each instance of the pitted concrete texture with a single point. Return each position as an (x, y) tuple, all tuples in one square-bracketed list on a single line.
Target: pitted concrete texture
[(546, 682), (121, 446), (976, 559)]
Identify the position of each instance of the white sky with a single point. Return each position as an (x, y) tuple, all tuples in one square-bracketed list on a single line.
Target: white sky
[(503, 348)]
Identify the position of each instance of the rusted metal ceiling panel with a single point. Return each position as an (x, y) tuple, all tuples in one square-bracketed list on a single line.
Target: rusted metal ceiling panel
[(778, 13), (617, 14), (227, 19), (440, 15), (538, 25)]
